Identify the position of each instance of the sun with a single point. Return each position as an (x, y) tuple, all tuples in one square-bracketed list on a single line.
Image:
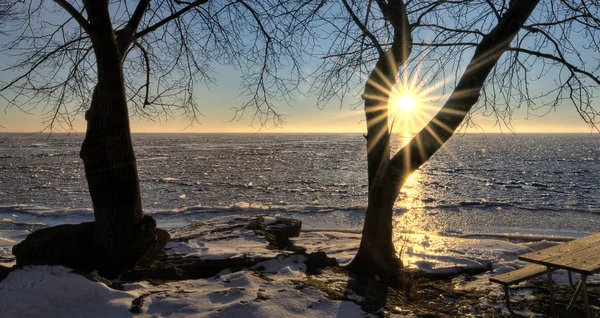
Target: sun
[(406, 103)]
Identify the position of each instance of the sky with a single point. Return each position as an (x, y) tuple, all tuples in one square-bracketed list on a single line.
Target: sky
[(302, 115), (300, 119)]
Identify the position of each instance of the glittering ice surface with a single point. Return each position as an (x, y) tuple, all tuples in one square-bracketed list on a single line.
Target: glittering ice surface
[(525, 184)]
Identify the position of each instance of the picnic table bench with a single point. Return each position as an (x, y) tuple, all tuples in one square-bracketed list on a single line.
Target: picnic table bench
[(515, 277), (581, 256)]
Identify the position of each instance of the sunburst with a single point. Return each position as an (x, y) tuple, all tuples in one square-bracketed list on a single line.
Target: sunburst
[(406, 103)]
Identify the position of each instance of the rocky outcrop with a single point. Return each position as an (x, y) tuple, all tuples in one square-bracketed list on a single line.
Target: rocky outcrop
[(67, 244), (72, 245), (199, 250), (315, 262), (278, 233), (230, 243), (276, 230)]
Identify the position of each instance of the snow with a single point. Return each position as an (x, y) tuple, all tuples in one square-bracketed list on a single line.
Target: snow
[(53, 291), (230, 247), (341, 245), (244, 294), (223, 237), (427, 252), (267, 289)]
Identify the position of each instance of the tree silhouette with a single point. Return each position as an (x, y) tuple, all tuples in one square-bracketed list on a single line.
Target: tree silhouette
[(495, 51), (111, 60)]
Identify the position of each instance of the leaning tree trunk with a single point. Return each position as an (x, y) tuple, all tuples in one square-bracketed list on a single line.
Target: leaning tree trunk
[(377, 253)]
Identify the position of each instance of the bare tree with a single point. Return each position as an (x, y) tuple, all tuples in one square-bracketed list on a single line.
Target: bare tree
[(112, 59), (6, 10), (150, 55), (494, 51)]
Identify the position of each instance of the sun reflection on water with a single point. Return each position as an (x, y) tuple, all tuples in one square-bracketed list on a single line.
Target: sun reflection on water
[(415, 222)]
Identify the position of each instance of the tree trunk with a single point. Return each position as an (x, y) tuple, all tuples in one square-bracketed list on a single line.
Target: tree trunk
[(111, 170), (108, 156), (121, 235), (376, 253)]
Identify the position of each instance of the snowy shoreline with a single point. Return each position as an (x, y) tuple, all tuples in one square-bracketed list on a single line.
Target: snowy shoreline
[(277, 286)]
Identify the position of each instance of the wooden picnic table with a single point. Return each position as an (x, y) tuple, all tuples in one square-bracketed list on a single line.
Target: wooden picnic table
[(581, 256)]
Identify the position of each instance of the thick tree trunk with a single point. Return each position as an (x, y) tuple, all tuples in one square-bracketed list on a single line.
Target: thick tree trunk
[(121, 235), (377, 254), (111, 170), (108, 156)]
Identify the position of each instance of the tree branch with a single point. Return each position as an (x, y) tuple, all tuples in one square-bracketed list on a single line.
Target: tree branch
[(125, 35), (74, 13), (465, 95), (147, 61), (168, 19), (570, 66), (363, 28)]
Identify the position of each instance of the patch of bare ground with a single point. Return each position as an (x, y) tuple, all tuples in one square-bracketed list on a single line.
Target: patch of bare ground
[(422, 297)]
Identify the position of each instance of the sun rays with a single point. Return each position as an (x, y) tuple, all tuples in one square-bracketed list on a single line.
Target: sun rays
[(409, 107), (404, 107)]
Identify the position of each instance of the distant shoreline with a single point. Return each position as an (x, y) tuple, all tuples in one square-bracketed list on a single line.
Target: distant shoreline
[(294, 133)]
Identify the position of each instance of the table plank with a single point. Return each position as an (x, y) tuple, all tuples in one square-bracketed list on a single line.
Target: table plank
[(519, 275), (581, 255), (563, 248), (583, 261)]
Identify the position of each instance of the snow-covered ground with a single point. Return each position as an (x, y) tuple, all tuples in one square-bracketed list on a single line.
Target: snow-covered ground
[(53, 291), (267, 289)]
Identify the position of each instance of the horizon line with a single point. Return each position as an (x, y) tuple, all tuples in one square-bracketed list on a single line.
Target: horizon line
[(298, 132)]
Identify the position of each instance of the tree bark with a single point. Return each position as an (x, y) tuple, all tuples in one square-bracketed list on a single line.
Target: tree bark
[(107, 151), (376, 253)]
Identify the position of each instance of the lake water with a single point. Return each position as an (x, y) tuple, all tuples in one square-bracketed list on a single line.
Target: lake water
[(544, 185)]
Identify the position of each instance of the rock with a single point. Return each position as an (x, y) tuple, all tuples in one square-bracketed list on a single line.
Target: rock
[(72, 245), (164, 272), (316, 261), (190, 267), (256, 224), (68, 244), (162, 237), (94, 278), (4, 272), (146, 242), (138, 303), (278, 233), (177, 266)]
